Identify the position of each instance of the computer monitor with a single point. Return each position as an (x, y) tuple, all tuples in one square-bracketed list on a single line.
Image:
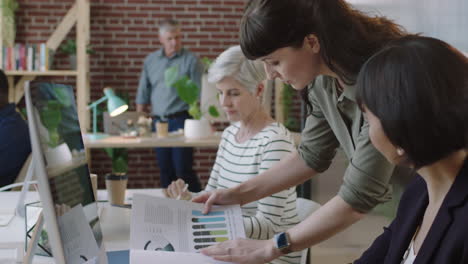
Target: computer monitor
[(69, 206)]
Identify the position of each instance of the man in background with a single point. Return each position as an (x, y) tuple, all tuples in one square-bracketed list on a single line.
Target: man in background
[(15, 146), (164, 102)]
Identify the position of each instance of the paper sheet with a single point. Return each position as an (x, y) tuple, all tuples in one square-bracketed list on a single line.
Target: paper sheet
[(79, 244), (141, 256), (168, 225)]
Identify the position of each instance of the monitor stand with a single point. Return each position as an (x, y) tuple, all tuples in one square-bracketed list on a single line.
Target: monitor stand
[(20, 211), (24, 190), (32, 244)]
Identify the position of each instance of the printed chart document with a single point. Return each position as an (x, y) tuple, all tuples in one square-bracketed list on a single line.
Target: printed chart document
[(167, 229), (78, 240)]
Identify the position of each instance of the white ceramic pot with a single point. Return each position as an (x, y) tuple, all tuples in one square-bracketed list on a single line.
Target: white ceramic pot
[(197, 128), (58, 156)]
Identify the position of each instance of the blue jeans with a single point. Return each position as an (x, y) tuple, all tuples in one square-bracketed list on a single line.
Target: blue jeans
[(176, 163)]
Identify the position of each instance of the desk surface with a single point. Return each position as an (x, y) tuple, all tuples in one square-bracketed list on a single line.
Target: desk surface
[(115, 222), (173, 140)]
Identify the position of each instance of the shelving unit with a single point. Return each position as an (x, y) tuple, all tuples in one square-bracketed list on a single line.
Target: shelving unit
[(79, 15), (46, 73)]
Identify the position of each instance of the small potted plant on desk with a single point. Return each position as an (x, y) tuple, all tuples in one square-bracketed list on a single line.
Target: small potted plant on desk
[(119, 158), (116, 182), (188, 91)]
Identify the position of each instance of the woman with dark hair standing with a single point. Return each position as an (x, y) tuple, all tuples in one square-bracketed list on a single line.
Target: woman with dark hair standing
[(317, 46), (415, 96)]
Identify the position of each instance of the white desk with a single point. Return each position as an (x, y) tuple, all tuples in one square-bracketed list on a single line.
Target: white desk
[(115, 223), (13, 235)]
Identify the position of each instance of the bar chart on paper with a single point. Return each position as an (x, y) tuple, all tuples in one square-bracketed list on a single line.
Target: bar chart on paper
[(209, 229), (163, 229)]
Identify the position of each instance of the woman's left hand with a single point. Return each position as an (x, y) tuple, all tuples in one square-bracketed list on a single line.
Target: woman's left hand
[(245, 251)]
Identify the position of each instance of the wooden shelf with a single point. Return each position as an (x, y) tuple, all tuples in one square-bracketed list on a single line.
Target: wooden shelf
[(78, 15), (42, 73)]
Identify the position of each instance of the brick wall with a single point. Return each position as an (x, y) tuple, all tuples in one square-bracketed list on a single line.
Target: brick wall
[(123, 32)]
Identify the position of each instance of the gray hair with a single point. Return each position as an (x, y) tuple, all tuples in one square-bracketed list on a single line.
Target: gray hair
[(233, 63), (168, 25)]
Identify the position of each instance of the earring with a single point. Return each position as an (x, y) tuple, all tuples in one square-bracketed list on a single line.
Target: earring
[(400, 151)]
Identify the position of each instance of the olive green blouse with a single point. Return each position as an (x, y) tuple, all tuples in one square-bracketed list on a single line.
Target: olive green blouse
[(336, 120)]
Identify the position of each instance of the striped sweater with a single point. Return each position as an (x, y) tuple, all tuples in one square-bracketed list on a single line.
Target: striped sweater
[(238, 162)]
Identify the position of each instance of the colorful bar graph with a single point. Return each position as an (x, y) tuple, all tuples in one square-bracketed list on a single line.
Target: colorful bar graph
[(210, 239), (208, 226), (208, 219), (213, 233), (212, 213), (202, 246)]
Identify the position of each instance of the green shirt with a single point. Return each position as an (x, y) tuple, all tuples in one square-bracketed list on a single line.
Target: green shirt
[(338, 121)]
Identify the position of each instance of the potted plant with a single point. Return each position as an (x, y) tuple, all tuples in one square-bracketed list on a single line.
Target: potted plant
[(57, 152), (116, 182), (119, 158), (9, 8), (69, 48), (290, 121), (188, 91)]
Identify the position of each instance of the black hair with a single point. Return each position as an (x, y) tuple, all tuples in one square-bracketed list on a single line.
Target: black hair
[(3, 89), (418, 88)]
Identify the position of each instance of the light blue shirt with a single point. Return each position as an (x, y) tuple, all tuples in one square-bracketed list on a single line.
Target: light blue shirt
[(152, 88)]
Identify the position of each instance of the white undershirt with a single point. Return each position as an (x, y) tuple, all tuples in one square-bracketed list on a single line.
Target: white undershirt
[(409, 256)]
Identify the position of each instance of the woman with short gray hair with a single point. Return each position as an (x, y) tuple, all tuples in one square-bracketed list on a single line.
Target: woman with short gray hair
[(252, 144)]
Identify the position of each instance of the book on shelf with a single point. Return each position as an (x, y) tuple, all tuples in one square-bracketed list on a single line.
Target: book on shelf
[(26, 57)]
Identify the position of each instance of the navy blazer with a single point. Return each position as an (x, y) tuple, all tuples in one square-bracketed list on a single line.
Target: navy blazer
[(447, 240)]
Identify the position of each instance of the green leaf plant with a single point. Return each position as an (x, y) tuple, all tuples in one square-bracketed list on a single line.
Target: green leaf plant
[(69, 48), (188, 92), (51, 115), (119, 157), (290, 122)]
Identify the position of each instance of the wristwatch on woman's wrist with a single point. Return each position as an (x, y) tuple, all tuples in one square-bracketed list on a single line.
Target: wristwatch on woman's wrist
[(282, 242)]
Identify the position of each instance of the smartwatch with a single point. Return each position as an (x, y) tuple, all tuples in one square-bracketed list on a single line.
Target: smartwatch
[(282, 242)]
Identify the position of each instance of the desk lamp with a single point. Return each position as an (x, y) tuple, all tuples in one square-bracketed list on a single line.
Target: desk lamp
[(115, 106)]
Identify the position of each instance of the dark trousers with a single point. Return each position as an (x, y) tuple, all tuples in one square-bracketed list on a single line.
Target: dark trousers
[(176, 163)]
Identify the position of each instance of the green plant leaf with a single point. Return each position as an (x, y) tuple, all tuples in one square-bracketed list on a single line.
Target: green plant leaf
[(206, 63), (69, 48), (51, 115), (213, 111), (110, 152), (187, 90), (287, 100), (194, 111), (170, 75), (119, 158), (62, 96), (54, 138), (119, 165), (8, 16)]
